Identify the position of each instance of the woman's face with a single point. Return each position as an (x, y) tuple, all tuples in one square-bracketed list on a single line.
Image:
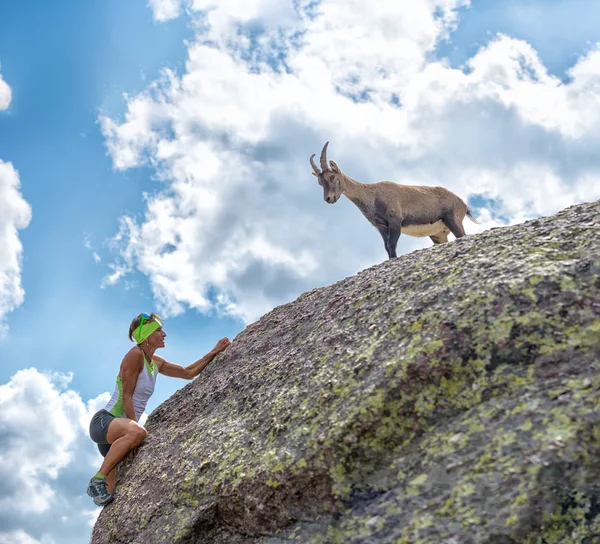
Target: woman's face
[(157, 338)]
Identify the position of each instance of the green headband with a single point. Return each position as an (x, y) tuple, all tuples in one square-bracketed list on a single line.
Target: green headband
[(145, 330)]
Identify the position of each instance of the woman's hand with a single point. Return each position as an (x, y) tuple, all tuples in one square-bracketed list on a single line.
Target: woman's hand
[(191, 371), (221, 345)]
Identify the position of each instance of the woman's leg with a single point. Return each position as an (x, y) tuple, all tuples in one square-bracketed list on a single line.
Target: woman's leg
[(123, 435), (111, 477), (111, 481)]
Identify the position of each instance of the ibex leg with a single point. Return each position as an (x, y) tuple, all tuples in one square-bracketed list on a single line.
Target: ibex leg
[(440, 237), (455, 226), (393, 236), (384, 231)]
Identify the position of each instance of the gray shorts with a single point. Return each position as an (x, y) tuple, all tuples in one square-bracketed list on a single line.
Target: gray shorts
[(98, 429)]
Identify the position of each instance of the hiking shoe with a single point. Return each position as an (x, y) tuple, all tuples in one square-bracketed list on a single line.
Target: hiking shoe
[(97, 490)]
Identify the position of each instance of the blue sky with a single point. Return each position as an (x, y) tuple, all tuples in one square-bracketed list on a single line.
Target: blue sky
[(559, 30), (193, 183), (82, 60)]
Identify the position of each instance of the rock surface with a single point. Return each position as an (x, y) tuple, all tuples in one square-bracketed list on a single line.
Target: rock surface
[(451, 395)]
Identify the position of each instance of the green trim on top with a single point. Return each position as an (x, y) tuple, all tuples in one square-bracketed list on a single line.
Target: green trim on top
[(118, 409)]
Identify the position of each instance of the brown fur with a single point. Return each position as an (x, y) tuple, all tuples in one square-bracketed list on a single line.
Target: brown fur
[(392, 208)]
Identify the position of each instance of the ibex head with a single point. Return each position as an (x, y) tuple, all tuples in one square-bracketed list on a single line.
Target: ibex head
[(330, 178)]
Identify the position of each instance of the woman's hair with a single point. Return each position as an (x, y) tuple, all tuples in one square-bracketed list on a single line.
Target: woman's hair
[(135, 323)]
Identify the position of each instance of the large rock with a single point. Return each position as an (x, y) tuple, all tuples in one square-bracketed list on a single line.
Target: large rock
[(451, 395)]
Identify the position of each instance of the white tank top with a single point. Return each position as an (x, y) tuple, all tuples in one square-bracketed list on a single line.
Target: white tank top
[(143, 391)]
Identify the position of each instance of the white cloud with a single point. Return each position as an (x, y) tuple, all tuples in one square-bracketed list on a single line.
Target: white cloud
[(5, 94), (46, 459), (17, 537), (241, 225), (164, 10), (87, 242), (218, 16), (15, 213)]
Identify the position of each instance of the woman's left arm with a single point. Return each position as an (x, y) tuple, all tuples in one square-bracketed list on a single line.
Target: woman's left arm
[(190, 372)]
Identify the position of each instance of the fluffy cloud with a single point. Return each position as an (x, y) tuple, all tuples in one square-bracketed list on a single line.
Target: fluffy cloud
[(46, 459), (240, 224), (163, 10), (15, 213), (17, 537), (5, 94)]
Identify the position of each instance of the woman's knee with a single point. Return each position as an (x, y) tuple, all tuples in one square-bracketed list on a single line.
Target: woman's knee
[(138, 434), (125, 428)]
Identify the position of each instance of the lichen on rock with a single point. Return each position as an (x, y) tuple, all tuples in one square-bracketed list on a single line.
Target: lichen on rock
[(449, 395)]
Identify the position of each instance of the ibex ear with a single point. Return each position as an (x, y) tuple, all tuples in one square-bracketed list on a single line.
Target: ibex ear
[(314, 174), (335, 167)]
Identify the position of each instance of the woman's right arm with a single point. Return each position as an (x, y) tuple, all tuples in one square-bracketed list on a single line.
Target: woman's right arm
[(130, 370)]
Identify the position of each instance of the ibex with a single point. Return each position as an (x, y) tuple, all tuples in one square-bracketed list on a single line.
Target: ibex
[(392, 208)]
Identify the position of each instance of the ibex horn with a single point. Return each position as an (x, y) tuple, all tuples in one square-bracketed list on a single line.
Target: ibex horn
[(324, 158), (312, 162)]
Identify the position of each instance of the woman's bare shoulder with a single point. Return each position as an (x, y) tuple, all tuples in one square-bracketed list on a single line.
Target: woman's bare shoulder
[(133, 360)]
